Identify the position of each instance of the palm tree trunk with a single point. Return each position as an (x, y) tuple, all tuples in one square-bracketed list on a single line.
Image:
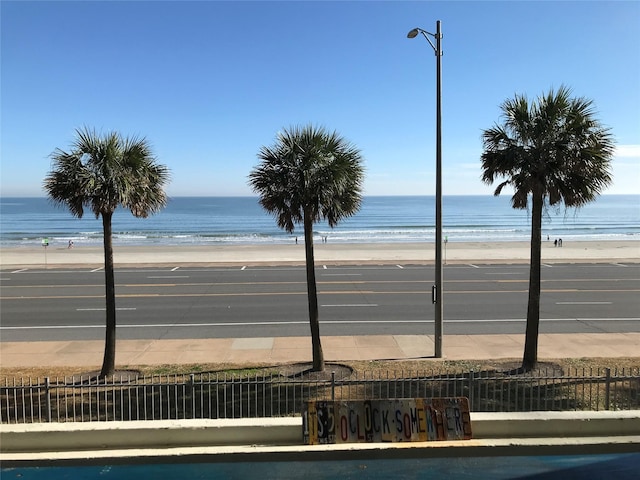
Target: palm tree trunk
[(109, 361), (530, 357), (312, 294)]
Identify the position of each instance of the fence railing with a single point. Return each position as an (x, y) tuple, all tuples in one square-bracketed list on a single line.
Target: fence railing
[(207, 395)]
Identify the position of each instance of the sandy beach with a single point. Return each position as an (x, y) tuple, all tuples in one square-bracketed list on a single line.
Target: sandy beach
[(346, 253)]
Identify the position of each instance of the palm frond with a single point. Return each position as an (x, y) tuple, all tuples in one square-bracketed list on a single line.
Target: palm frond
[(310, 170), (104, 172), (554, 145)]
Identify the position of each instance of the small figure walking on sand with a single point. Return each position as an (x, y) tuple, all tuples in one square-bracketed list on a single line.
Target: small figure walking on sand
[(70, 244), (559, 242)]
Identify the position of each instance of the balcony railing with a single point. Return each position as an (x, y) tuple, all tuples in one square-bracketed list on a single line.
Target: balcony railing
[(212, 395)]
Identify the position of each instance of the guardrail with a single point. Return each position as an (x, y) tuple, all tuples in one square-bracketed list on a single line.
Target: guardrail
[(211, 395)]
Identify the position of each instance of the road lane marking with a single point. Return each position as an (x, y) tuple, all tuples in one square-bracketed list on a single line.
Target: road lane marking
[(351, 305), (174, 269), (584, 303), (306, 322), (96, 269), (20, 271), (399, 266), (328, 292), (550, 320), (342, 275), (53, 327), (334, 282), (169, 276), (103, 309)]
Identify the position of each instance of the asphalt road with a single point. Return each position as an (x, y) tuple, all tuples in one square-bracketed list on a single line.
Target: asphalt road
[(155, 303)]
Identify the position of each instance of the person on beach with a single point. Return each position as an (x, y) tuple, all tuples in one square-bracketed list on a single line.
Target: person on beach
[(70, 244)]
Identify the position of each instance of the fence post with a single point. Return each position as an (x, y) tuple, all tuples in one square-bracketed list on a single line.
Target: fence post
[(47, 394), (333, 386), (192, 392), (471, 385), (607, 389)]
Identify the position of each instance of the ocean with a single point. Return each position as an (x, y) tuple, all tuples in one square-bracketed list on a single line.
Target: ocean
[(25, 222)]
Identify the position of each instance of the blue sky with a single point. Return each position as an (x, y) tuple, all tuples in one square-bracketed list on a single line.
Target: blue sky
[(208, 83)]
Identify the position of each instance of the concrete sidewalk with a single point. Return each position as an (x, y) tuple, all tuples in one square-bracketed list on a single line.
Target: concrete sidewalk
[(279, 350)]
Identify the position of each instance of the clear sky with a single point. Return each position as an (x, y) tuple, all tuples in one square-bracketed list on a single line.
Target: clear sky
[(208, 83)]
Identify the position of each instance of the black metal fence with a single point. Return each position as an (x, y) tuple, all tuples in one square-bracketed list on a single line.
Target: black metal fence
[(280, 394)]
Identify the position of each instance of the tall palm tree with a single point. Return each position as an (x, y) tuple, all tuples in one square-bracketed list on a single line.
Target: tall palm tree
[(309, 175), (102, 173), (551, 151)]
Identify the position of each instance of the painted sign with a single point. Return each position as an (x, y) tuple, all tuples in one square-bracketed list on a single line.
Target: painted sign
[(398, 420)]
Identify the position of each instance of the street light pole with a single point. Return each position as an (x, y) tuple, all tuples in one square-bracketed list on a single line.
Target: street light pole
[(437, 288)]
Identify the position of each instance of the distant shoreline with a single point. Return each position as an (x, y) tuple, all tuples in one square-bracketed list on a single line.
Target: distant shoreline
[(336, 253), (230, 221)]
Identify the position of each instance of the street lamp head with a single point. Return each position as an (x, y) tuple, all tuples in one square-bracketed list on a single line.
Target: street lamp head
[(413, 33), (437, 36)]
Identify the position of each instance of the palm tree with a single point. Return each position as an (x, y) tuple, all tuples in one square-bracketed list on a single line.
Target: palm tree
[(552, 151), (102, 173), (307, 176)]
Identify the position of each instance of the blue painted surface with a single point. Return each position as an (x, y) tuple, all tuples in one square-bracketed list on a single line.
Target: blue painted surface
[(565, 467)]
